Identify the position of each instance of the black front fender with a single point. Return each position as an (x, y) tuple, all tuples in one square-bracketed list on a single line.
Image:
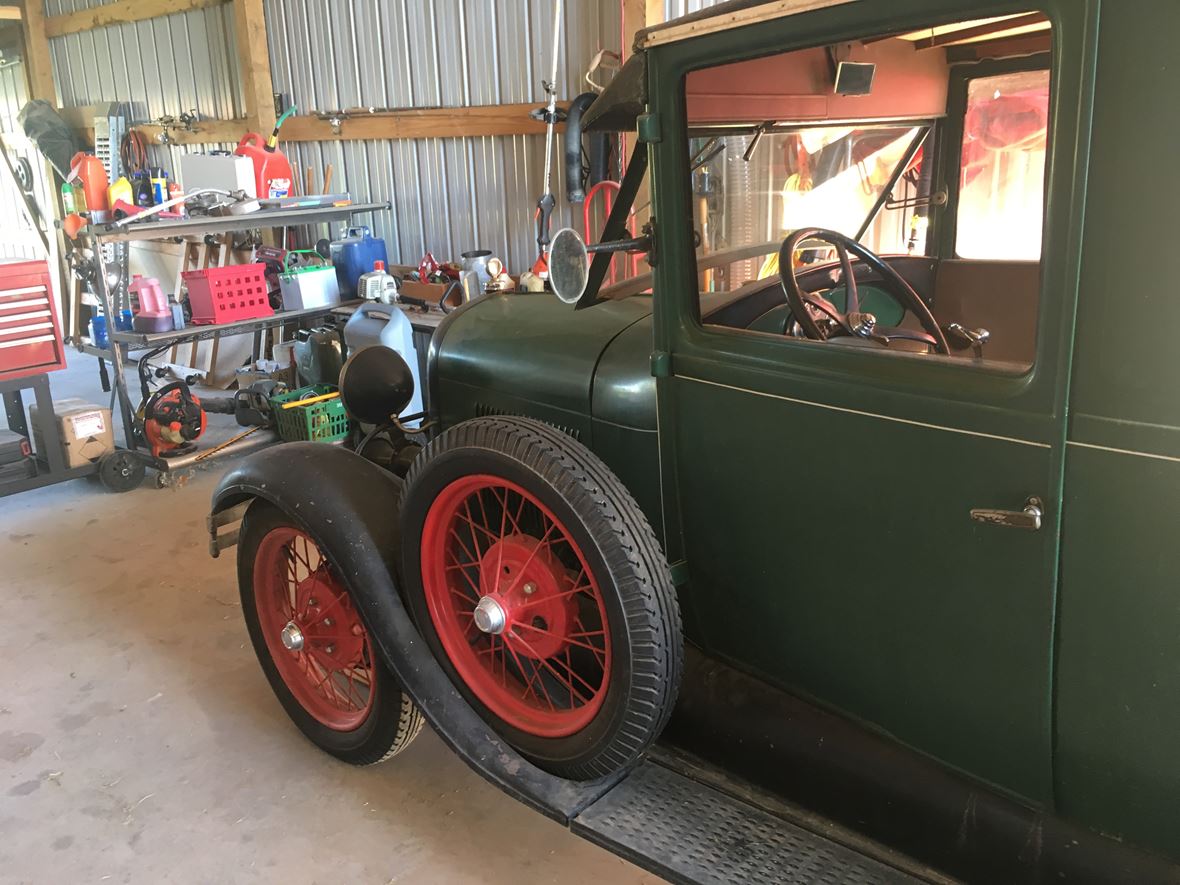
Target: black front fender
[(349, 506)]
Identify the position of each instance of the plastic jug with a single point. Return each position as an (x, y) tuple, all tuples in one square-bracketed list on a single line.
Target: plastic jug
[(378, 285), (154, 313), (120, 190), (89, 170), (354, 255), (382, 325), (272, 172)]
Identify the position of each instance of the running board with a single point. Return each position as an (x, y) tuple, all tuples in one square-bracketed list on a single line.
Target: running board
[(686, 831)]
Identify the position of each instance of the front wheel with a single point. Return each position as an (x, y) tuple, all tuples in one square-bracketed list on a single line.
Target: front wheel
[(540, 587), (313, 645)]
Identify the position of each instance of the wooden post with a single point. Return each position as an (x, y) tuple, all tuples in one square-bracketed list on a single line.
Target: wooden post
[(38, 59), (254, 56)]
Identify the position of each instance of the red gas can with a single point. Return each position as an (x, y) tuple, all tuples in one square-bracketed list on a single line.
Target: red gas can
[(272, 172)]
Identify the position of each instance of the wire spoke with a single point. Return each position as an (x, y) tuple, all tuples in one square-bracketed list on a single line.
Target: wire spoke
[(593, 648)]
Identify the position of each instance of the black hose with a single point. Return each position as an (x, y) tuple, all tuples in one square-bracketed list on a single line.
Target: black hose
[(574, 191)]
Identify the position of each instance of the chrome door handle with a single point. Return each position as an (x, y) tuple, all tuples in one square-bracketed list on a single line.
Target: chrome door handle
[(1029, 518)]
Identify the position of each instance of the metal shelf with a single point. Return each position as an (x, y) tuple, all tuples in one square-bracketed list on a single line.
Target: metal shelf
[(220, 224), (200, 226), (202, 332)]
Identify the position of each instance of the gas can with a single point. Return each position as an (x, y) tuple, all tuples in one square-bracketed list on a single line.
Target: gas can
[(386, 326), (272, 172), (89, 170), (354, 255)]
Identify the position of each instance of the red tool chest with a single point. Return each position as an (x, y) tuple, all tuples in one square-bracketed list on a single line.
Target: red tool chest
[(30, 335)]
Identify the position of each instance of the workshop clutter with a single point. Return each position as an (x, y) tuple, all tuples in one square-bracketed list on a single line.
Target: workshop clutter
[(227, 294), (356, 254)]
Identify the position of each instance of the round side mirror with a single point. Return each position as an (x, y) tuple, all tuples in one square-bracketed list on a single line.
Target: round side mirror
[(569, 265), (375, 384)]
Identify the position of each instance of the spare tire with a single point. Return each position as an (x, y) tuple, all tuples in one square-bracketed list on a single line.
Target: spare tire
[(539, 585)]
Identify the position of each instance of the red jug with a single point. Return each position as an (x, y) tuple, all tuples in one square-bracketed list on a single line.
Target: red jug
[(272, 172)]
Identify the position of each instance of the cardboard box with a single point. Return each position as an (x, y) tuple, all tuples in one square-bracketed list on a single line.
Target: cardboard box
[(86, 431)]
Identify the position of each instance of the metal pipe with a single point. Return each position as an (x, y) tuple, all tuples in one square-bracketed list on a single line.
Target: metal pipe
[(259, 439)]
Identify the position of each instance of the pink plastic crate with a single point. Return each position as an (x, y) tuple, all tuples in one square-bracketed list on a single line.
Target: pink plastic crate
[(226, 294)]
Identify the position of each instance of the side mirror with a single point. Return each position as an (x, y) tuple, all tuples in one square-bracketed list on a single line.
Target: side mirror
[(569, 265)]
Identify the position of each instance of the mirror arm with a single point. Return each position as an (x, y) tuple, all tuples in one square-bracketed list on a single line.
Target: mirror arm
[(636, 244), (616, 224)]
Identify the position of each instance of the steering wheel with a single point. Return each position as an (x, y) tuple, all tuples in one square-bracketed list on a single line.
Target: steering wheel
[(810, 310)]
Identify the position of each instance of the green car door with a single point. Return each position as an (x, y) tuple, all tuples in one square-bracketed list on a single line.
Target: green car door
[(822, 496)]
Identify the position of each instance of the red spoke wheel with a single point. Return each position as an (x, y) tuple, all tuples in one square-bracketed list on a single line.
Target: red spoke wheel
[(314, 646), (539, 585)]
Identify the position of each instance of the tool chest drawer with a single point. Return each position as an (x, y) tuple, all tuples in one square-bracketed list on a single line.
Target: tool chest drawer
[(30, 336)]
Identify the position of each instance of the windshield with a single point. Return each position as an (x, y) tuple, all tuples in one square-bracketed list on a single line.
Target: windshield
[(750, 194)]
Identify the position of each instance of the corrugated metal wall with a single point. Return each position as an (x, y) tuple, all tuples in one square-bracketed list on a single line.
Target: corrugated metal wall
[(449, 195), (18, 238)]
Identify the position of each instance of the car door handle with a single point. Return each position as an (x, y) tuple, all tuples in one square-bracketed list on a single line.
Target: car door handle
[(1029, 518)]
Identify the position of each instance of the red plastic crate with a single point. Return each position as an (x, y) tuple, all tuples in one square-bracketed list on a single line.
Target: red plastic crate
[(30, 337), (226, 294)]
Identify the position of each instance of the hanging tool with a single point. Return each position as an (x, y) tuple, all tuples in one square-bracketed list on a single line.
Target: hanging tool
[(547, 201)]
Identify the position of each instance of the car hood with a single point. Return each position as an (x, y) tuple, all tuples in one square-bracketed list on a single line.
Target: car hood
[(533, 349)]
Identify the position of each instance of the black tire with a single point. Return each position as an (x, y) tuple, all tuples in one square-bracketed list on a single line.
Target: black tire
[(393, 720), (121, 471), (622, 554)]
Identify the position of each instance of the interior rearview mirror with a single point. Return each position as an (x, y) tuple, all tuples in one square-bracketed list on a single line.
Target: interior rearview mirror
[(569, 265)]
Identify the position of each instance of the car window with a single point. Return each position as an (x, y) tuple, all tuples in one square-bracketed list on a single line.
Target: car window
[(789, 142), (1002, 171)]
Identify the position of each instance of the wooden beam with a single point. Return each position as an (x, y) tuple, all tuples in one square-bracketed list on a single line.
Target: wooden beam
[(208, 132), (37, 54), (1016, 23), (708, 22), (10, 13), (120, 12), (254, 57), (505, 119)]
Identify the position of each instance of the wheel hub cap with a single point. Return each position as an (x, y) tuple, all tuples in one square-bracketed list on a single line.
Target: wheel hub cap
[(489, 616), (292, 637)]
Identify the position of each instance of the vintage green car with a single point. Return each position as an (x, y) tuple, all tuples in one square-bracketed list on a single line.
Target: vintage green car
[(813, 564)]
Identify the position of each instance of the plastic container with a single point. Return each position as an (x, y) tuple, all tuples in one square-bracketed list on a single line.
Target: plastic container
[(355, 255), (319, 355), (120, 190), (314, 285), (153, 314), (89, 170), (225, 294), (378, 285), (98, 332), (323, 421), (381, 325), (272, 172)]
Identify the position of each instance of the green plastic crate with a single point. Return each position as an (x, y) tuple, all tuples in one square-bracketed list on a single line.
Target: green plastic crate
[(325, 421)]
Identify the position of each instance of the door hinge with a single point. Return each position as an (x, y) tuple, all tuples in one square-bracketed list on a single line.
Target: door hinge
[(661, 364), (648, 128)]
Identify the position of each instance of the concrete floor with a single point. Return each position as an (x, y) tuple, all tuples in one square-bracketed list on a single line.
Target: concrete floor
[(139, 741)]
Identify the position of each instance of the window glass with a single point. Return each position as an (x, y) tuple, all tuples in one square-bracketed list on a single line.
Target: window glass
[(820, 176), (1002, 175), (784, 142)]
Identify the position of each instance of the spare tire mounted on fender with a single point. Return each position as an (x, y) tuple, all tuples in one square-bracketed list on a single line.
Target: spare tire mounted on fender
[(541, 589)]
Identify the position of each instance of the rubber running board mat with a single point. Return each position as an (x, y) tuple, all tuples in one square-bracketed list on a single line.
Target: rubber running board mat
[(688, 832)]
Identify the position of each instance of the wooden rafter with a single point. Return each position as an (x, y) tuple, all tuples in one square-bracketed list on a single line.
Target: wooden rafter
[(120, 12)]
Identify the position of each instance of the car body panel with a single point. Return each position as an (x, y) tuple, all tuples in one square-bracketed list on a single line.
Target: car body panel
[(819, 496)]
